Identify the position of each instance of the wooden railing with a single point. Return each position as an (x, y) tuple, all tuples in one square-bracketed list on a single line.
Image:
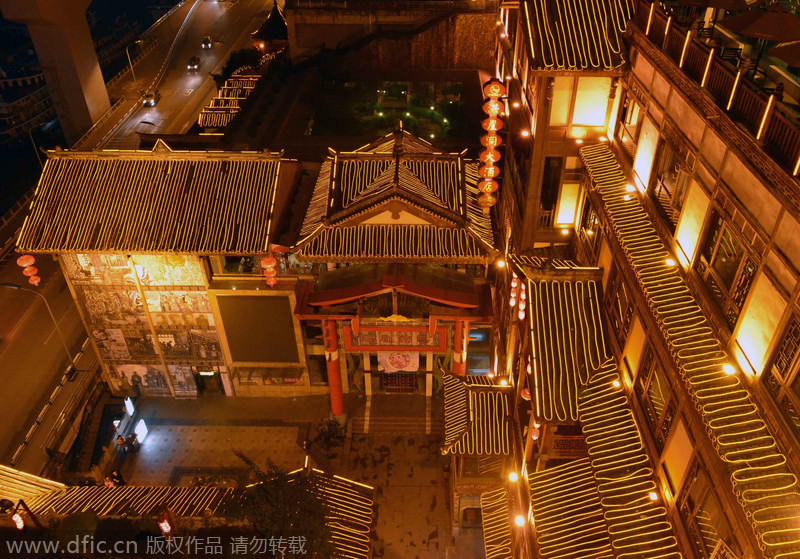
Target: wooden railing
[(780, 138)]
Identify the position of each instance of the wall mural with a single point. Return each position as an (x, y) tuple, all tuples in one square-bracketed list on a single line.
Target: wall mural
[(118, 295)]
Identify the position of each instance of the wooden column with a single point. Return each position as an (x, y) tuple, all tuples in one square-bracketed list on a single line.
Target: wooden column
[(460, 348), (331, 338)]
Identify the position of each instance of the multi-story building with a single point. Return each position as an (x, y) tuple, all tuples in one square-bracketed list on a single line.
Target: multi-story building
[(664, 183), (633, 296)]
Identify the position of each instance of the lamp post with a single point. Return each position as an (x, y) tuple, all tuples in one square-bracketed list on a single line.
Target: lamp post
[(133, 75), (55, 322), (35, 149)]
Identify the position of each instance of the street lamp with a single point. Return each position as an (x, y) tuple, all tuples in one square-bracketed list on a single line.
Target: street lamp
[(35, 149), (133, 75), (55, 322)]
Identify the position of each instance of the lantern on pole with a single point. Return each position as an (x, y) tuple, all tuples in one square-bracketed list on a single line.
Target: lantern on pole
[(268, 263)]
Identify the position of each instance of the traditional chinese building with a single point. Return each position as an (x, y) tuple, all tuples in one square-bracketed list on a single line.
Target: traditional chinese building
[(159, 250), (405, 248), (674, 359)]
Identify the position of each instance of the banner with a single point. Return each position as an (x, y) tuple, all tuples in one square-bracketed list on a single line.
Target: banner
[(393, 361)]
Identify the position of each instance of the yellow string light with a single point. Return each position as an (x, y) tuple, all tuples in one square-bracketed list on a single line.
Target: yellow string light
[(762, 482)]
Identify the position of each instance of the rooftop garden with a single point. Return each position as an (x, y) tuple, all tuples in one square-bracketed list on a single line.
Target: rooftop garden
[(427, 109)]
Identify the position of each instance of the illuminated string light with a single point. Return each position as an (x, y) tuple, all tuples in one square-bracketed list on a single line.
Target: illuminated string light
[(519, 520), (761, 479), (513, 477)]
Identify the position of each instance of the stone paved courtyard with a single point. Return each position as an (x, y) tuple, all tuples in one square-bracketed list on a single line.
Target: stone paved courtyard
[(397, 458)]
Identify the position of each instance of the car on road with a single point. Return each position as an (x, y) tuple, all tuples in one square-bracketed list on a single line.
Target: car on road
[(193, 64), (151, 98), (207, 42)]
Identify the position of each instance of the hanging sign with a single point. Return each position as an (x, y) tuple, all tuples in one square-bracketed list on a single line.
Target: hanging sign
[(494, 90)]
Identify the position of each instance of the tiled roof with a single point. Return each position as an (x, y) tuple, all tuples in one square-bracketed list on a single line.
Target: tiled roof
[(637, 525), (567, 334), (159, 201), (439, 190), (349, 513), (576, 34), (349, 509), (130, 500), (476, 418), (496, 524), (16, 485), (230, 97), (764, 484), (568, 514)]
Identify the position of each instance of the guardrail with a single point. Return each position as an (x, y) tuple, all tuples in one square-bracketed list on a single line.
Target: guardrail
[(40, 418), (772, 124), (79, 143)]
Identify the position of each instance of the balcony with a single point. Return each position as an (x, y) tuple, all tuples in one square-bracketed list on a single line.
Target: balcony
[(770, 122)]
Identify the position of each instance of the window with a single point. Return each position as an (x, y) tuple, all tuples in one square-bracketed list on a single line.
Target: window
[(630, 121), (590, 228), (620, 306), (551, 180), (782, 378), (655, 397), (702, 514), (726, 267), (237, 265), (669, 183)]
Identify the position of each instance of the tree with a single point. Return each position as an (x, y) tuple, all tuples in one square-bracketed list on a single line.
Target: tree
[(282, 505)]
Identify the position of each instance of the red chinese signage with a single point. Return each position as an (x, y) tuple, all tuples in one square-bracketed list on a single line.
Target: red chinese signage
[(493, 107)]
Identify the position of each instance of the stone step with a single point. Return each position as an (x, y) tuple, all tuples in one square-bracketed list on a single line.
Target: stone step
[(396, 425)]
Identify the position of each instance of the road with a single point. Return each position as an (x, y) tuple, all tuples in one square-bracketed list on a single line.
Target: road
[(32, 355), (184, 93)]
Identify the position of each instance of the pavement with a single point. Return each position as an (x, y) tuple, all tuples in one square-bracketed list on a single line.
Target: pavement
[(399, 457)]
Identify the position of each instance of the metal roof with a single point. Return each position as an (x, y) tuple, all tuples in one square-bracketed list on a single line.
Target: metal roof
[(159, 201), (396, 174), (576, 34)]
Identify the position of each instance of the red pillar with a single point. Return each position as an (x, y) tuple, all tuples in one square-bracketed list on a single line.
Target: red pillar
[(334, 370), (460, 348)]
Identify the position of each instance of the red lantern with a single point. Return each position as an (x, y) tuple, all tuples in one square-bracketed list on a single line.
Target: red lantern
[(492, 124), (34, 280), (25, 260), (270, 272), (491, 141), (486, 201), (489, 156), (488, 171), (493, 107), (271, 281), (269, 262), (487, 186), (526, 394), (494, 88), (30, 271)]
